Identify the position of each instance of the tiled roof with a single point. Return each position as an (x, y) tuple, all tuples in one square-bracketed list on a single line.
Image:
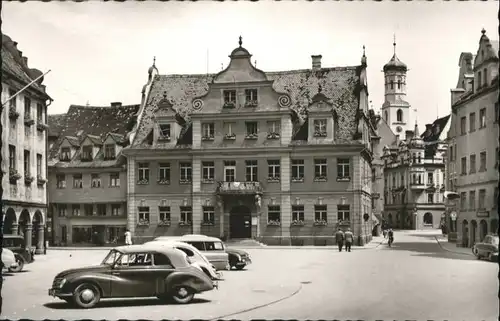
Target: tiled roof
[(96, 140), (82, 121), (74, 141), (15, 64), (56, 123), (340, 85)]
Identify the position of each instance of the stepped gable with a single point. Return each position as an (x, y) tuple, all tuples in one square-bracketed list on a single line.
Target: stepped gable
[(15, 68), (431, 136), (98, 122), (340, 85)]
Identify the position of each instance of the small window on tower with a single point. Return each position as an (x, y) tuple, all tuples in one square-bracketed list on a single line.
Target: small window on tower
[(399, 84), (392, 84), (399, 115)]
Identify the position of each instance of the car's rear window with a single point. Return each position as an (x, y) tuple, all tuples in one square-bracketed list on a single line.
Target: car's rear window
[(214, 246), (200, 246)]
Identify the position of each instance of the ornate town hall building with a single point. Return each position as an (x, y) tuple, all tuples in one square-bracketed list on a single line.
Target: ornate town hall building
[(281, 157)]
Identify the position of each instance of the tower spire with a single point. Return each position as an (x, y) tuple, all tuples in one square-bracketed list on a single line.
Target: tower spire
[(154, 61), (394, 43)]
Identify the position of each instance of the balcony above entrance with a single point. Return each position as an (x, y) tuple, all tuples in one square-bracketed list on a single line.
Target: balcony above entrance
[(239, 188)]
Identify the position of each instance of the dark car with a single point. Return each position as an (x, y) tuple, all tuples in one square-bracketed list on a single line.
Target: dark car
[(238, 258), (133, 271), (23, 255), (488, 248)]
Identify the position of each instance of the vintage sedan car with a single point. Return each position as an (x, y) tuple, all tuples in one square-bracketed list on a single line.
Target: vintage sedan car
[(236, 258), (133, 271), (488, 248), (212, 248), (23, 255), (196, 258), (8, 259)]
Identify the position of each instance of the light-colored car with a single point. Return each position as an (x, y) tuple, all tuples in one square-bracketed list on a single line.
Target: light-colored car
[(237, 258), (8, 259), (488, 248), (211, 247), (196, 258)]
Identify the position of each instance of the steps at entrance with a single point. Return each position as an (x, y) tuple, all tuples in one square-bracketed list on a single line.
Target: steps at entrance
[(243, 243)]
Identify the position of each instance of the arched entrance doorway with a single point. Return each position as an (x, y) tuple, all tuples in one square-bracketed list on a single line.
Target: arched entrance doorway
[(494, 226), (240, 222), (483, 230), (37, 237), (473, 232), (465, 233), (25, 227), (10, 222), (428, 219)]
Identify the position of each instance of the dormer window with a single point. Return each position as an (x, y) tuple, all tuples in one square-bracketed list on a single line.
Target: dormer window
[(229, 98), (109, 151), (479, 79), (165, 132), (320, 128), (251, 97), (208, 131), (86, 153), (65, 154)]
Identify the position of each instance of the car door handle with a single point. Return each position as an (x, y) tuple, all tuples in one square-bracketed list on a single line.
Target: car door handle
[(115, 273)]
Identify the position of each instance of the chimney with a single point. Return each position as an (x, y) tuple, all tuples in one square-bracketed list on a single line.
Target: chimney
[(409, 134), (25, 61), (316, 61), (116, 104)]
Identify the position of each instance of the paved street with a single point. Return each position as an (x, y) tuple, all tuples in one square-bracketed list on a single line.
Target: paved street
[(416, 279)]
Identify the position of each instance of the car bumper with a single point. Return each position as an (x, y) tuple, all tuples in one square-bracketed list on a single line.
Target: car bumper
[(219, 275), (244, 262), (215, 284), (58, 293)]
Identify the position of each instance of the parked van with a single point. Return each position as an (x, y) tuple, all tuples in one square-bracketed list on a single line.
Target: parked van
[(211, 247)]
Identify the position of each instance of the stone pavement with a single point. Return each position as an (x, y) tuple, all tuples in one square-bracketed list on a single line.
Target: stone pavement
[(414, 279), (375, 242), (452, 247)]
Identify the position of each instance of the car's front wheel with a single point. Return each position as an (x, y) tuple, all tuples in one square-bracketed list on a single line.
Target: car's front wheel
[(240, 267), (86, 295), (19, 267), (476, 253), (182, 295)]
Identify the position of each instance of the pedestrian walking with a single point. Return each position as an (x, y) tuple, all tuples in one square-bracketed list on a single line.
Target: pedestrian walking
[(339, 237), (391, 237), (128, 238), (348, 239), (385, 233)]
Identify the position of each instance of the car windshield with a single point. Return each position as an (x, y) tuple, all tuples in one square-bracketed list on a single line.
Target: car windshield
[(111, 258), (494, 240)]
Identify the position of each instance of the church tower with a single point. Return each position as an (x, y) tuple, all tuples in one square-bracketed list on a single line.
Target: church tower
[(396, 110)]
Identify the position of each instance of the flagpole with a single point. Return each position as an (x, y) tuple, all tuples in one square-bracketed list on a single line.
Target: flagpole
[(20, 91)]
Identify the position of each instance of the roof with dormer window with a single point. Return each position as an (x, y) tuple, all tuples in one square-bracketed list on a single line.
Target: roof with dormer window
[(93, 122), (340, 86)]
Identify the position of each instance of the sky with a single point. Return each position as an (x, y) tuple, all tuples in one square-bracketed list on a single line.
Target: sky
[(100, 52)]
